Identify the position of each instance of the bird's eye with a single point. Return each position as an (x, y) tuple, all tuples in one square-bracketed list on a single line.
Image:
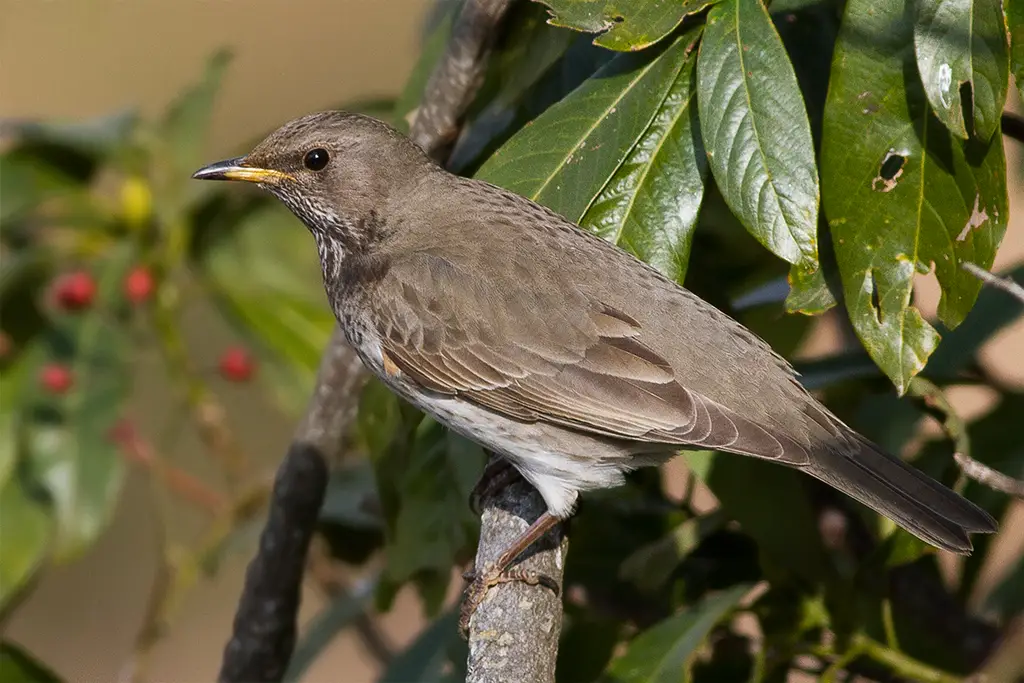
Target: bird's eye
[(316, 159)]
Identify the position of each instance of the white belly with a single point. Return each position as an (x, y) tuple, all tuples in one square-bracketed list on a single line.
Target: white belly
[(546, 456)]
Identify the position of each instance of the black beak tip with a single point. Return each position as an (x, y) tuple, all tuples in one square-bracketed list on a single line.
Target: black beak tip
[(217, 170)]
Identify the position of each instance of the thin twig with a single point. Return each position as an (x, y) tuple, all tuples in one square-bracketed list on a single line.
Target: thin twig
[(986, 476), (177, 481), (1003, 283)]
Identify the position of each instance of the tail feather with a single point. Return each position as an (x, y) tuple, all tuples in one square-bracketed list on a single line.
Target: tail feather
[(899, 491)]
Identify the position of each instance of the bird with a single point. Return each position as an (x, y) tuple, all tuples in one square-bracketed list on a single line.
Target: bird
[(555, 349)]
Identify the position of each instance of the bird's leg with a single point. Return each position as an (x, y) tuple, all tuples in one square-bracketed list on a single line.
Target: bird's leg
[(500, 572), (498, 474)]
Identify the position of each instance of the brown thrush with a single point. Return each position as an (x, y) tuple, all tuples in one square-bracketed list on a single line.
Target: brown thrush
[(564, 354)]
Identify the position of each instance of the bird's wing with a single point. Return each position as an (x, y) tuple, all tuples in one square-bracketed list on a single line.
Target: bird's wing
[(549, 353)]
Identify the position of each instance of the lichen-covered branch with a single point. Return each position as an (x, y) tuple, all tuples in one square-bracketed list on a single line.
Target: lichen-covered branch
[(264, 630), (514, 632)]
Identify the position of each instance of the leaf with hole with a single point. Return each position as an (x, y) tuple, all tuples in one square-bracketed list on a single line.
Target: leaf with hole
[(901, 194), (623, 25), (650, 205), (568, 154), (664, 652), (756, 130), (963, 59)]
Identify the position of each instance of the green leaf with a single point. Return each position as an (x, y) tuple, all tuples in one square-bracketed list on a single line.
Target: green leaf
[(17, 665), (664, 652), (68, 436), (26, 529), (771, 504), (624, 25), (566, 156), (756, 130), (349, 491), (27, 181), (650, 205), (327, 624), (1014, 16), (187, 119), (434, 521), (957, 43), (900, 193), (95, 138), (424, 659)]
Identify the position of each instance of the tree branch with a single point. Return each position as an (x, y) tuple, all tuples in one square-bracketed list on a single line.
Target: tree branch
[(1003, 283), (265, 622), (514, 632), (986, 476), (264, 629)]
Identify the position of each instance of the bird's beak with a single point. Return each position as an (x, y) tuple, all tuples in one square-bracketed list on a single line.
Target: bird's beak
[(238, 169)]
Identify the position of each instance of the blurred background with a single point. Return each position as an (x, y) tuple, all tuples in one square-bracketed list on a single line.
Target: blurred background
[(72, 60)]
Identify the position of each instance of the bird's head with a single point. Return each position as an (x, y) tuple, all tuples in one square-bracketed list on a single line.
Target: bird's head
[(336, 171)]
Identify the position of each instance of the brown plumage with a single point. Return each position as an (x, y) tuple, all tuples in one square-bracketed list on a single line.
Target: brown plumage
[(546, 344)]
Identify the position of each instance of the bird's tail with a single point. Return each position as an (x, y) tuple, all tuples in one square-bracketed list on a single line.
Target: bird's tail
[(916, 502)]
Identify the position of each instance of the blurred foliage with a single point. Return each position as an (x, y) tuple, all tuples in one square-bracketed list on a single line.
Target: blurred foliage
[(709, 139)]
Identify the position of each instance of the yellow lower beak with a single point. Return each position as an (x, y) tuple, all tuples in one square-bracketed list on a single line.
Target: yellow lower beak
[(236, 169)]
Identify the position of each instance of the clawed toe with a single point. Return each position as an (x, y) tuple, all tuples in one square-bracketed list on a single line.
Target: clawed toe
[(483, 582)]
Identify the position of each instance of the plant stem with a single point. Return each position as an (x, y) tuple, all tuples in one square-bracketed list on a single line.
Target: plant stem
[(901, 664)]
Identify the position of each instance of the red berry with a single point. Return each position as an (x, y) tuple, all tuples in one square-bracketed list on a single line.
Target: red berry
[(236, 364), (56, 378), (75, 291), (138, 285)]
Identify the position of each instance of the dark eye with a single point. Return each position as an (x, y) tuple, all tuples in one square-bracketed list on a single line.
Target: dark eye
[(316, 159)]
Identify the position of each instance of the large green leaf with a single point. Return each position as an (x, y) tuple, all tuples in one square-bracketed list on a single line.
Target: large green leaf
[(963, 42), (25, 532), (624, 25), (17, 665), (650, 205), (901, 194), (756, 130), (566, 156), (663, 653), (68, 436), (1014, 10)]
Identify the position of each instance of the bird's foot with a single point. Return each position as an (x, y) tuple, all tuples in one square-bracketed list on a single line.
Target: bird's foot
[(496, 476), (482, 582)]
